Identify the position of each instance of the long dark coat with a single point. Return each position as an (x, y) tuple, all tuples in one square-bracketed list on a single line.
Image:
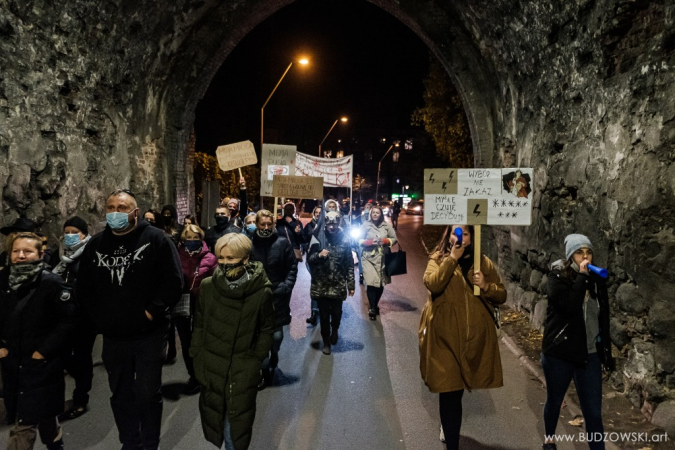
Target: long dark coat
[(35, 389), (233, 328)]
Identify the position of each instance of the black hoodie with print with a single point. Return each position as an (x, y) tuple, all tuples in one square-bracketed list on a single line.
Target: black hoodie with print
[(121, 277)]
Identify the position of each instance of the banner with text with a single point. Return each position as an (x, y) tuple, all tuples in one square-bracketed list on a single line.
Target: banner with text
[(276, 160), (336, 172), (236, 155), (478, 196), (291, 186)]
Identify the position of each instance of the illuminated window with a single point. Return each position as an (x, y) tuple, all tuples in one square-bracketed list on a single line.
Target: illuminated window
[(408, 144), (340, 154), (395, 157), (327, 153)]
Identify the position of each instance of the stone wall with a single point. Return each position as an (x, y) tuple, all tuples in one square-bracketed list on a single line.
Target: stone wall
[(96, 95)]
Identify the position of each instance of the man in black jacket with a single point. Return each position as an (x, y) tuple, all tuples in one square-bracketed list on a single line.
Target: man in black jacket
[(129, 277), (237, 208), (277, 256)]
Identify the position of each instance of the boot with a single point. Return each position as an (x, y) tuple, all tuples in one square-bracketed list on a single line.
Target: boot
[(360, 278), (58, 445), (192, 387), (334, 336), (313, 318), (377, 310), (326, 348), (372, 314)]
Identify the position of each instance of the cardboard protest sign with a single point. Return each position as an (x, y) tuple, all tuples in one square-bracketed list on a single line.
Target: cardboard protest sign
[(237, 155), (297, 186), (478, 196), (276, 160)]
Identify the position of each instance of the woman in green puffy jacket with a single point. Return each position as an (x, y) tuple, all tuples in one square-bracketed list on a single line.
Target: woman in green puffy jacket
[(233, 327)]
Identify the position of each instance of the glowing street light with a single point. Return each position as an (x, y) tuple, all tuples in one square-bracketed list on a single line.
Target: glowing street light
[(379, 166), (341, 119)]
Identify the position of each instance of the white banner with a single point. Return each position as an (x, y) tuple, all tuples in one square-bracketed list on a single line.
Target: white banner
[(336, 172)]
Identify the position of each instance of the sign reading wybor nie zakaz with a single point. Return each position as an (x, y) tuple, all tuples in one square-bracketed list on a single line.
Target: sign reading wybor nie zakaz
[(478, 196)]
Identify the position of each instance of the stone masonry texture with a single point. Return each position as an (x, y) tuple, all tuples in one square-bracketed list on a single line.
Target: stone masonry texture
[(96, 95)]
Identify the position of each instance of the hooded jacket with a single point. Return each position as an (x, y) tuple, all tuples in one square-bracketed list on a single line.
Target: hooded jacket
[(233, 328), (121, 277), (333, 275)]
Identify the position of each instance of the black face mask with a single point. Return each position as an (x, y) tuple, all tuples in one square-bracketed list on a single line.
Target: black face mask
[(332, 229), (233, 212), (264, 232), (233, 271), (221, 221)]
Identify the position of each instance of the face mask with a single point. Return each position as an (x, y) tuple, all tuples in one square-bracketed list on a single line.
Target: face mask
[(332, 229), (250, 227), (575, 266), (233, 271), (264, 233), (193, 246), (71, 240), (221, 221), (117, 220), (233, 211)]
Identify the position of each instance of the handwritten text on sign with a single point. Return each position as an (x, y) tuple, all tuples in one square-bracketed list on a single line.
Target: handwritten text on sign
[(297, 187), (276, 159), (336, 172), (478, 196), (237, 155)]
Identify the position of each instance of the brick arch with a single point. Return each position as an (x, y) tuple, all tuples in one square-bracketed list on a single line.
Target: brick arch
[(210, 44)]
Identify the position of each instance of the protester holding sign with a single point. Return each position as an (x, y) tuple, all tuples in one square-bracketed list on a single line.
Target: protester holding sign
[(576, 340), (450, 362), (378, 238), (237, 209)]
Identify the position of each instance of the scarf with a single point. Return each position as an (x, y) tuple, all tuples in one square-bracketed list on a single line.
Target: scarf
[(23, 274), (68, 255)]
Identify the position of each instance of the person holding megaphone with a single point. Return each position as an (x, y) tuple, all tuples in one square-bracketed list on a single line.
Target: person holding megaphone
[(576, 342)]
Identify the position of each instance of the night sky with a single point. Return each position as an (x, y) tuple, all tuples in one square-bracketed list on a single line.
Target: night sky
[(364, 64)]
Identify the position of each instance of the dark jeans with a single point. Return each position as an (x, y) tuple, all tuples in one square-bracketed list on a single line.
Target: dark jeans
[(330, 315), (272, 361), (588, 380), (184, 327), (80, 365), (450, 407), (374, 294), (135, 378)]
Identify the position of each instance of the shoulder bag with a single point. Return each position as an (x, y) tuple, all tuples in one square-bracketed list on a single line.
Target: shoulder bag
[(297, 251), (395, 262)]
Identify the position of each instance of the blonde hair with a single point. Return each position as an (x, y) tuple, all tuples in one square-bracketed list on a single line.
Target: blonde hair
[(264, 213), (238, 243), (249, 215), (192, 228)]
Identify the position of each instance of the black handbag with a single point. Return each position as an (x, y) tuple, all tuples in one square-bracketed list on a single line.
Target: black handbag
[(395, 262)]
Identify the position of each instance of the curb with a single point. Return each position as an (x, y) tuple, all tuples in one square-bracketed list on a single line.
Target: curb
[(537, 371)]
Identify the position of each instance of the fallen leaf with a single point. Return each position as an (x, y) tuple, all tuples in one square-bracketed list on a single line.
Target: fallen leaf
[(576, 422)]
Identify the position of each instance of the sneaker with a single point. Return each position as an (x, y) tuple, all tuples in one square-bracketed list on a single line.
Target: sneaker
[(326, 348), (72, 413), (192, 387)]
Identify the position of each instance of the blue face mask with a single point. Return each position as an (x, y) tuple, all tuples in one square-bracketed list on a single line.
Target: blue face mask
[(250, 228), (193, 246), (71, 240), (117, 220)]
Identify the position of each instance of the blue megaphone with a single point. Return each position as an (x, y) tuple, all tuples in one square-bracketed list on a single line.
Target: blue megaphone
[(599, 271), (458, 232)]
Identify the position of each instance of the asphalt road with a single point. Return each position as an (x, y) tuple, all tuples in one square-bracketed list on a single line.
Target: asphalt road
[(367, 395)]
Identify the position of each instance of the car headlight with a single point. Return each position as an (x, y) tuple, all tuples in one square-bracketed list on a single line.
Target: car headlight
[(417, 208)]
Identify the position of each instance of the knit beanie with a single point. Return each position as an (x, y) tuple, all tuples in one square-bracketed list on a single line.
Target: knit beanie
[(78, 223), (574, 242)]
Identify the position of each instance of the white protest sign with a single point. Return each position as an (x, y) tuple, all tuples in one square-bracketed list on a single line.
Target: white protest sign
[(234, 156), (478, 196), (276, 160), (336, 172)]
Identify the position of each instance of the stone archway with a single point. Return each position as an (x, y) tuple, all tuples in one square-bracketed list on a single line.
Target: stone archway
[(96, 95)]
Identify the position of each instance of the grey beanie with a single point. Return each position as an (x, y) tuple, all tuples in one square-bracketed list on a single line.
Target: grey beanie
[(574, 242)]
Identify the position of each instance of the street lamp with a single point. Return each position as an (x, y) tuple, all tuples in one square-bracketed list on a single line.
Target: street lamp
[(341, 119), (304, 62), (379, 166)]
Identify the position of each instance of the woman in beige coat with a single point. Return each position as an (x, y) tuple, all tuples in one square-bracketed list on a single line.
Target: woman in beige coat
[(457, 334), (378, 238)]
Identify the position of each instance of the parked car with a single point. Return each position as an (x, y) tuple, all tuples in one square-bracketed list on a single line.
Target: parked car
[(415, 208)]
